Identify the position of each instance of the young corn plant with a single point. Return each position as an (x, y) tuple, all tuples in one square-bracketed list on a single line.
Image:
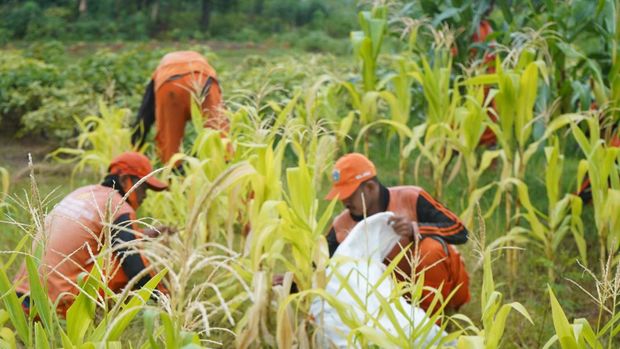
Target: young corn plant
[(399, 99), (579, 334), (563, 215), (494, 311), (601, 164), (472, 119), (101, 138), (441, 102), (287, 234), (366, 47), (515, 97), (582, 333)]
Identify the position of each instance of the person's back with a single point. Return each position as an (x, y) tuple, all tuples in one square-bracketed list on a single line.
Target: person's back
[(181, 63), (77, 228), (74, 237), (180, 77)]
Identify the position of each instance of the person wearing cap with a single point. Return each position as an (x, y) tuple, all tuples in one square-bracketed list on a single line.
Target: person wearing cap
[(425, 225), (75, 232), (180, 77)]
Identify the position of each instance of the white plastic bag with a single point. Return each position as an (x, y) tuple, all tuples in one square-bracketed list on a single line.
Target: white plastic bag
[(360, 258)]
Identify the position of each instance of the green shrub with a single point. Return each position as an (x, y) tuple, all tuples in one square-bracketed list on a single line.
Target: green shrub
[(318, 41), (47, 51), (52, 23), (23, 85)]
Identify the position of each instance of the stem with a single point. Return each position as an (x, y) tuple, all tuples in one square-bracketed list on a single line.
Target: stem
[(402, 164)]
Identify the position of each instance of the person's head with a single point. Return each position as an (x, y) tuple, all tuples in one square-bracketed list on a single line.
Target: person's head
[(131, 167), (355, 184)]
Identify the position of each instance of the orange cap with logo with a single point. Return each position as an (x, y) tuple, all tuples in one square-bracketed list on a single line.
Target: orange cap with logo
[(349, 172), (135, 164)]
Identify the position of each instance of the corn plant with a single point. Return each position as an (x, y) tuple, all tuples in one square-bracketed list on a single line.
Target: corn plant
[(515, 99), (441, 102), (367, 46), (472, 119), (577, 335), (286, 232), (494, 311), (101, 139), (581, 333), (601, 164), (563, 215), (367, 43), (399, 99)]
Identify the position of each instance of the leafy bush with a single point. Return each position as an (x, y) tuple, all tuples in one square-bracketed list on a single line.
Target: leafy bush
[(24, 83), (318, 41)]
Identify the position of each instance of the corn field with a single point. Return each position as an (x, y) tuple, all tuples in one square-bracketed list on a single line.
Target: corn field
[(544, 264)]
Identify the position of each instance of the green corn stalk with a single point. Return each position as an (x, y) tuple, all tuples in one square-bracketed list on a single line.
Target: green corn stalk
[(472, 118), (441, 102), (366, 47), (515, 97), (101, 138), (399, 101), (563, 215), (367, 43), (601, 164), (494, 312), (570, 336)]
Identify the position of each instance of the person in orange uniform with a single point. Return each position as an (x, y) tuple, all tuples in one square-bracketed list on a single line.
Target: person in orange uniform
[(179, 77), (75, 233), (418, 218)]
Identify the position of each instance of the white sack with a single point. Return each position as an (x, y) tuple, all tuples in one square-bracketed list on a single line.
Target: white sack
[(361, 255)]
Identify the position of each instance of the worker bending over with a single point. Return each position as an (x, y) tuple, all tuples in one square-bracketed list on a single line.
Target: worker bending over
[(75, 233), (180, 77), (430, 228)]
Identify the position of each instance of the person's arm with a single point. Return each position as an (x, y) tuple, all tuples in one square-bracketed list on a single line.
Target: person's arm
[(131, 263), (146, 116), (435, 219)]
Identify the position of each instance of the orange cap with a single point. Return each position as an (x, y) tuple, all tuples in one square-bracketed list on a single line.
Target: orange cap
[(135, 164), (349, 172)]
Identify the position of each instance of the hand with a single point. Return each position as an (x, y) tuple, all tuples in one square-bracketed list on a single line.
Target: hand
[(404, 227)]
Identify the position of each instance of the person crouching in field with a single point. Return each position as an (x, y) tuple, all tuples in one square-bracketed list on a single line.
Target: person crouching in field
[(180, 76), (418, 218), (75, 233)]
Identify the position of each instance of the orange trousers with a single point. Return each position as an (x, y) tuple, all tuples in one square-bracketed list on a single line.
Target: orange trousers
[(173, 110), (442, 271)]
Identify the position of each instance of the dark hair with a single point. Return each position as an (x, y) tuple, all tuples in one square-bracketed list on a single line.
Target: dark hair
[(373, 179), (113, 181)]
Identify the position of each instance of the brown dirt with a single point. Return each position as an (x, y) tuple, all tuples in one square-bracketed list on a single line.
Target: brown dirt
[(15, 157)]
